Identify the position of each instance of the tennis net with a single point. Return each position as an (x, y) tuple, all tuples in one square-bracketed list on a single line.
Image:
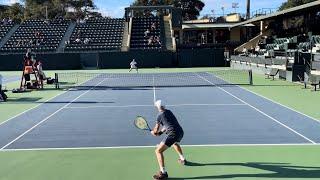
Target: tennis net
[(181, 79)]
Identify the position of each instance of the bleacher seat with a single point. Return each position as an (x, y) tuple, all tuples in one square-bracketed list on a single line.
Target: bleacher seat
[(4, 29), (104, 34), (50, 35), (139, 27)]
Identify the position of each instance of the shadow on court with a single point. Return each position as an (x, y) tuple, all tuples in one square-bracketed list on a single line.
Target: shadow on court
[(37, 101), (277, 170)]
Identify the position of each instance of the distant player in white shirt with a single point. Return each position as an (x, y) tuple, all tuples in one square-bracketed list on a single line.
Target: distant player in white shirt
[(133, 65)]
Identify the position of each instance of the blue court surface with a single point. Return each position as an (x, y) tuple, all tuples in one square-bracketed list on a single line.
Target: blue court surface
[(103, 117), (10, 79)]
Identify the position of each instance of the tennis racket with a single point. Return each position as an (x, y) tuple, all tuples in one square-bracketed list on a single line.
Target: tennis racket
[(141, 123)]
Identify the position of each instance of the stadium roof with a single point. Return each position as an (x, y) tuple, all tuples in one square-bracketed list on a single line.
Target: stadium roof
[(211, 25), (149, 7), (297, 9)]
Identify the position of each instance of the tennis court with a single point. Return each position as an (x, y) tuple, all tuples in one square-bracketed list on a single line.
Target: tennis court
[(99, 113), (10, 79)]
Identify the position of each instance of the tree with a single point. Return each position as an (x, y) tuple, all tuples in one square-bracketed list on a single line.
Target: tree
[(15, 12), (293, 3), (71, 9), (190, 8)]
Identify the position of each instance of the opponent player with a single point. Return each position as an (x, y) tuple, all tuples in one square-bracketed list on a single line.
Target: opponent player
[(174, 134), (133, 65)]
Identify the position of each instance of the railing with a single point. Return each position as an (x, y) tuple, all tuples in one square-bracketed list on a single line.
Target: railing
[(262, 12)]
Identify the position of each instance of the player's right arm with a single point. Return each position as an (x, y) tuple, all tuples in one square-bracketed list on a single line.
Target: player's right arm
[(155, 131)]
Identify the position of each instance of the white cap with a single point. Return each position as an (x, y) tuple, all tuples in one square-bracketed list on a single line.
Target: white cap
[(159, 104)]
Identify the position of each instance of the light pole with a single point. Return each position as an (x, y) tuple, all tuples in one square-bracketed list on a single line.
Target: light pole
[(248, 9)]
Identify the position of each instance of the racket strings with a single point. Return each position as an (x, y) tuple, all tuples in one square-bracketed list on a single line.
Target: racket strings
[(141, 123)]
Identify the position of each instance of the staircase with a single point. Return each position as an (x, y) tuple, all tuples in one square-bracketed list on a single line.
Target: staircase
[(125, 37), (66, 37), (8, 35), (168, 37), (253, 42)]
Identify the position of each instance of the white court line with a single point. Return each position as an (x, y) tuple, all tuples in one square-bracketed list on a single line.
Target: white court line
[(33, 127), (154, 91), (32, 108), (128, 106), (141, 147), (258, 110), (318, 121), (37, 105)]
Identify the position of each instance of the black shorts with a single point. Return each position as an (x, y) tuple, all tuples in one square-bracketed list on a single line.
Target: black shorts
[(171, 139)]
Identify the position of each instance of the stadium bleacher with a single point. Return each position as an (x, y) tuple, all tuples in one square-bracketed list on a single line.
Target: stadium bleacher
[(97, 34), (142, 40), (38, 35), (4, 29)]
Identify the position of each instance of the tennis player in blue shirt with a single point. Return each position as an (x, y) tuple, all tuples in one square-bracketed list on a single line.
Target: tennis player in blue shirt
[(174, 134)]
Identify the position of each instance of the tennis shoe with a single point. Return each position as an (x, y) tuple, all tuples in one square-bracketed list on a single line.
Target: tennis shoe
[(160, 176)]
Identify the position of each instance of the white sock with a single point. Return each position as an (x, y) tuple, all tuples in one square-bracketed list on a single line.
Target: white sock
[(163, 170), (181, 157)]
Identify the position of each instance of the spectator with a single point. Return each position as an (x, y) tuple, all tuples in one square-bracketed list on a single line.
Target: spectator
[(38, 42), (78, 40), (37, 34), (146, 33), (153, 26), (82, 21), (245, 51), (47, 21), (42, 75), (202, 38), (79, 34), (157, 40), (10, 21), (87, 41), (150, 40), (5, 21)]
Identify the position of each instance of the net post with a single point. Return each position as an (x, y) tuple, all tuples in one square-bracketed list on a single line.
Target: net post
[(250, 77), (56, 80)]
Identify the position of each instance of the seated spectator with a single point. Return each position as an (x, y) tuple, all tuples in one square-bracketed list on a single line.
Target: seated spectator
[(78, 40), (153, 26), (146, 33), (37, 34), (79, 34), (157, 40), (82, 21), (245, 51), (86, 41), (5, 21), (47, 21), (150, 40), (10, 21), (38, 42)]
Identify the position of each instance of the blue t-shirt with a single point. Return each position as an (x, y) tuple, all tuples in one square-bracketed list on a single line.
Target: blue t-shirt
[(170, 122)]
